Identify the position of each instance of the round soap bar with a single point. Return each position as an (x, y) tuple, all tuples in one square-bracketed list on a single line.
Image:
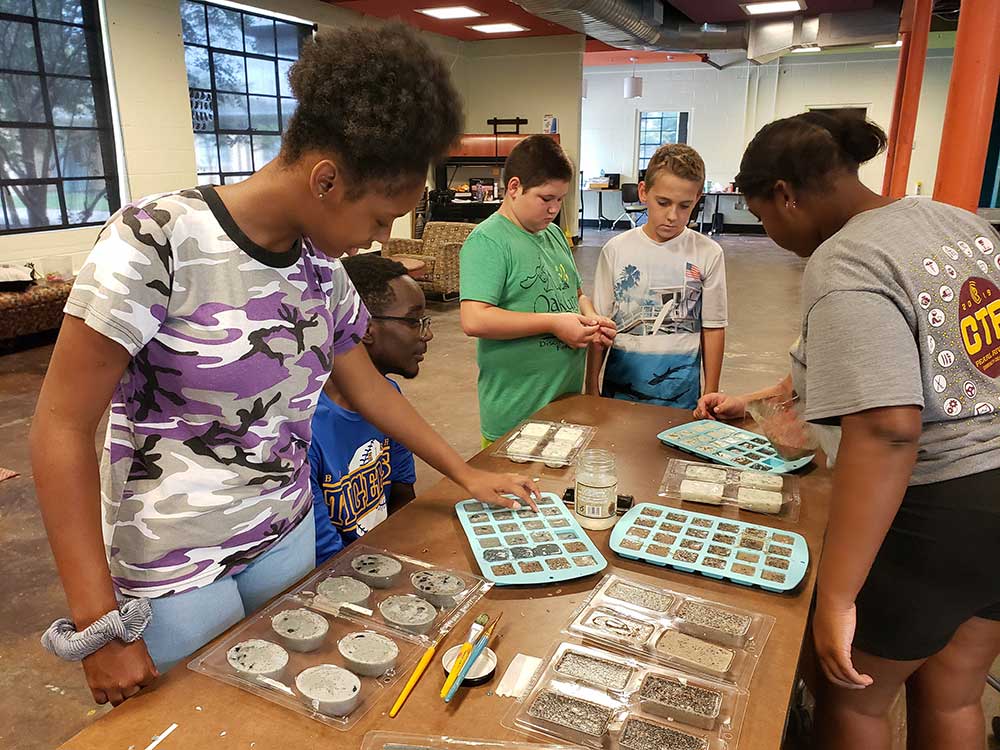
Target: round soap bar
[(368, 653), (329, 689), (408, 612), (342, 589), (300, 629), (439, 588), (258, 658), (378, 571)]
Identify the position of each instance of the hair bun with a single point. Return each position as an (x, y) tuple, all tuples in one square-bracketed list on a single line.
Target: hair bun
[(859, 139)]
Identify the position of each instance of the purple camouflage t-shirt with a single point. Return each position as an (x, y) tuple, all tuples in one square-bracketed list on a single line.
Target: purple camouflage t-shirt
[(205, 463)]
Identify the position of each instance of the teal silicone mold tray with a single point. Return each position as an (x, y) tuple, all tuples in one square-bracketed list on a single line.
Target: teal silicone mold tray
[(730, 445), (723, 548), (517, 547)]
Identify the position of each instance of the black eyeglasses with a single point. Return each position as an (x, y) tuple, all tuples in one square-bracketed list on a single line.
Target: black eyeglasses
[(423, 323)]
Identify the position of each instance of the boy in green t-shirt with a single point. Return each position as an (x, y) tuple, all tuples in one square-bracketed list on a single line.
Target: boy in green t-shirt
[(522, 297)]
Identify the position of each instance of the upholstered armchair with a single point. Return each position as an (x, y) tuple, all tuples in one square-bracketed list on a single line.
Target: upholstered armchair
[(439, 251)]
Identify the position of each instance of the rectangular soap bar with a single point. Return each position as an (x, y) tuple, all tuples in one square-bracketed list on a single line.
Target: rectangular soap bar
[(558, 449), (761, 501), (534, 429), (761, 481), (718, 624), (568, 434), (677, 699), (702, 492), (708, 473), (708, 656), (522, 446)]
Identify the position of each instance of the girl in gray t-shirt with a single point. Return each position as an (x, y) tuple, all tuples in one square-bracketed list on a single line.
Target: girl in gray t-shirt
[(900, 349)]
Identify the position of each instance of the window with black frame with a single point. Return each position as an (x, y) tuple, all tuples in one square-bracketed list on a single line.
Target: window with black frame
[(657, 128), (241, 102), (57, 149)]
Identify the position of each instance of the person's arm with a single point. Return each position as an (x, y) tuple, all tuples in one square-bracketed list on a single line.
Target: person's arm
[(84, 370), (400, 493), (713, 346), (328, 538), (379, 403), (402, 475), (878, 449), (714, 316), (485, 321), (595, 361), (729, 406)]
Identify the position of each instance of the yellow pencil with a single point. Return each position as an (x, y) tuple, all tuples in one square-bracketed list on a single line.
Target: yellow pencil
[(417, 672)]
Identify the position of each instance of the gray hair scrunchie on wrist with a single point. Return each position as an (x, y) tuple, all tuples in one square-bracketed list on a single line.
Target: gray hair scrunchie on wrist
[(125, 624)]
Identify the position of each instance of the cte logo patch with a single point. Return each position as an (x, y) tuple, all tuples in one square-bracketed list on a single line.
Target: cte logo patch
[(979, 321)]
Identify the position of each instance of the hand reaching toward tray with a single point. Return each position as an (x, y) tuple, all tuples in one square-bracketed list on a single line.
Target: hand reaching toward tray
[(721, 406), (507, 490)]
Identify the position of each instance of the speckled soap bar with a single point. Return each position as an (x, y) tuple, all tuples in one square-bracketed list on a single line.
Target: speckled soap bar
[(721, 625), (573, 713), (702, 654), (639, 734), (640, 596), (672, 699), (596, 671)]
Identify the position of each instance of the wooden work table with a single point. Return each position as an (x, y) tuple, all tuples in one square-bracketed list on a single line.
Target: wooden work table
[(429, 529)]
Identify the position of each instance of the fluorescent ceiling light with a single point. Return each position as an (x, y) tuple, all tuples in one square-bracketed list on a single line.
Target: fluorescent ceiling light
[(812, 48), (450, 12), (775, 6), (497, 28), (897, 43)]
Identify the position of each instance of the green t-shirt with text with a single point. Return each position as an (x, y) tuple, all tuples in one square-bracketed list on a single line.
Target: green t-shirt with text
[(505, 266)]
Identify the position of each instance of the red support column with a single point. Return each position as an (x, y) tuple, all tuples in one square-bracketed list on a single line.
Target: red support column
[(968, 116), (915, 26)]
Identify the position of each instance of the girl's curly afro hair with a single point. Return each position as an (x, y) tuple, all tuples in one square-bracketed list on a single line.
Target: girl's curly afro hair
[(378, 98)]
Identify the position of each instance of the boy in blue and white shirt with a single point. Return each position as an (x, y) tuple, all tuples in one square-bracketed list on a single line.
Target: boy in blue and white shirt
[(664, 286), (359, 474)]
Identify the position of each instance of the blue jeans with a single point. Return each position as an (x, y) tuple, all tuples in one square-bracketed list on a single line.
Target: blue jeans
[(183, 623)]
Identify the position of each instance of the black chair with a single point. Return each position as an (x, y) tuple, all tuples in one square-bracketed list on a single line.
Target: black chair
[(630, 203), (694, 222)]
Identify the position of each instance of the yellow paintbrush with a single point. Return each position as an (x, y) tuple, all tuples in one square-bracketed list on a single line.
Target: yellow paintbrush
[(417, 672)]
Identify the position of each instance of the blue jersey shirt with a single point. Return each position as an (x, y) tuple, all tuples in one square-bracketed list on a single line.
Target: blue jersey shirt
[(352, 464)]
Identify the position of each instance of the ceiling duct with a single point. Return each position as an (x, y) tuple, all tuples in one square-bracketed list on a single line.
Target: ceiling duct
[(642, 25), (772, 38), (636, 25)]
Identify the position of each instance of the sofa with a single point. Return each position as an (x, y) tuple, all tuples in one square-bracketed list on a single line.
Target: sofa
[(438, 249), (36, 309)]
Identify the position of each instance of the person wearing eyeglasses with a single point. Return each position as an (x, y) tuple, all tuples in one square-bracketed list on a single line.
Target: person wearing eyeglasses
[(359, 474)]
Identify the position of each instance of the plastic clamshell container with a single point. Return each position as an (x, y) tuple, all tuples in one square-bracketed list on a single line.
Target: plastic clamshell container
[(367, 565), (673, 629), (556, 444), (733, 491), (326, 695)]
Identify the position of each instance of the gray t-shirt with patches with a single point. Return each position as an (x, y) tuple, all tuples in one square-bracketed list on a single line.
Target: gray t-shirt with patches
[(205, 463), (902, 306)]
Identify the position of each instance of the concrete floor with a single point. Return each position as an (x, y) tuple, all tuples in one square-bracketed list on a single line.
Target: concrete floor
[(47, 700)]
